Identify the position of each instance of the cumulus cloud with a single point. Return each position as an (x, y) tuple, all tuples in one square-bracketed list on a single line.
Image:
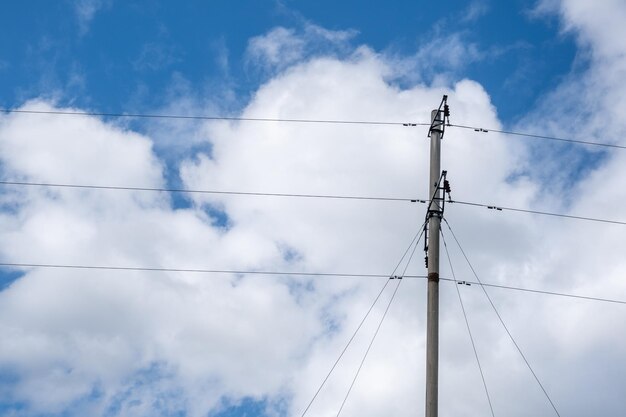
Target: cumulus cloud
[(97, 336), (154, 343), (73, 335)]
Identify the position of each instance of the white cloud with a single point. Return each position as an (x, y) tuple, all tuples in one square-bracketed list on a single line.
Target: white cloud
[(282, 47), (86, 10), (441, 59), (278, 46), (138, 343), (155, 56), (70, 332), (475, 10), (589, 103), (102, 329)]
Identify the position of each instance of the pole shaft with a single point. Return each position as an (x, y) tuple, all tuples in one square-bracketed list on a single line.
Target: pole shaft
[(432, 309)]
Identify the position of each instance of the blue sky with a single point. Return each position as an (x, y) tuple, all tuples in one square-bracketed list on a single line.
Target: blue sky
[(147, 343), (130, 56)]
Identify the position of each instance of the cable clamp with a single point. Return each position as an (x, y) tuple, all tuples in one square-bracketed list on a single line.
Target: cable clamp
[(434, 213)]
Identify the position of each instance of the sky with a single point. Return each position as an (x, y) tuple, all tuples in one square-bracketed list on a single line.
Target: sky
[(100, 342)]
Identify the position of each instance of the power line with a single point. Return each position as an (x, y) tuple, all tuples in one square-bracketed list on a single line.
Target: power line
[(296, 195), (223, 192), (469, 330), (192, 270), (293, 273), (533, 136), (286, 120), (543, 213), (530, 290), (501, 320), (206, 117)]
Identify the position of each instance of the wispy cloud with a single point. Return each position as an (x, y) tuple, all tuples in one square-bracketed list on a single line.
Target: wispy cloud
[(281, 47), (85, 12), (445, 58), (156, 56), (476, 10)]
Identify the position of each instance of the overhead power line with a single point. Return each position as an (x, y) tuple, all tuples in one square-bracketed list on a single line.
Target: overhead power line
[(295, 195), (543, 213), (288, 120), (554, 293), (194, 270), (533, 136), (207, 117), (224, 192), (294, 273)]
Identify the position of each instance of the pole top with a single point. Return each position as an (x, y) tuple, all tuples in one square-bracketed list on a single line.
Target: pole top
[(438, 118)]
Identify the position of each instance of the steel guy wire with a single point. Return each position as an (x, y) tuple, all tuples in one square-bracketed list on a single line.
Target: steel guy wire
[(469, 330), (369, 347), (501, 320), (382, 319), (417, 237), (345, 348)]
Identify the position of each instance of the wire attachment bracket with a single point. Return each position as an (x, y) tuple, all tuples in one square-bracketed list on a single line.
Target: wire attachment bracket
[(439, 123), (436, 206)]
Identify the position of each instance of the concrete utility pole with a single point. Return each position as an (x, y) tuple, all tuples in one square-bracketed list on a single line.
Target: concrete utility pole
[(434, 223)]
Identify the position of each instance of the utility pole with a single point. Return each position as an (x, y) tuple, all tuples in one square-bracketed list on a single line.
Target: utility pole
[(434, 215)]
